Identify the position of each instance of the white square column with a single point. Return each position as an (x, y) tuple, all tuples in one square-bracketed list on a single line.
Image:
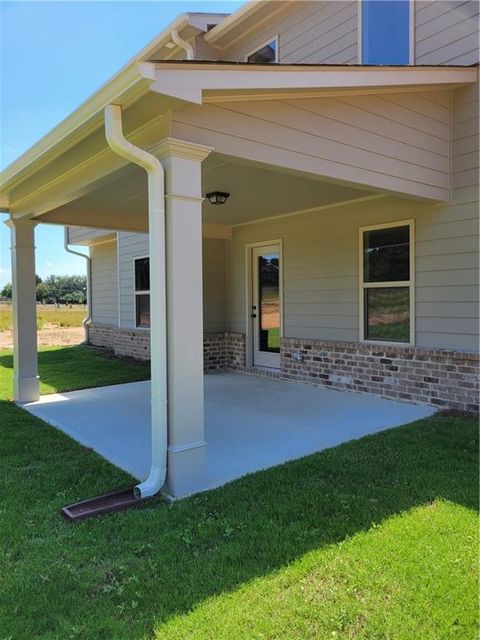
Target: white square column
[(25, 358), (183, 210)]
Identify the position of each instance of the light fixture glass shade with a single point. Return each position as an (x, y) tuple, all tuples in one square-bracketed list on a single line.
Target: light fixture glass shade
[(217, 197)]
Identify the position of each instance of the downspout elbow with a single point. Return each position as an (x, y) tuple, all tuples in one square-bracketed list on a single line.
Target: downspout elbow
[(183, 44)]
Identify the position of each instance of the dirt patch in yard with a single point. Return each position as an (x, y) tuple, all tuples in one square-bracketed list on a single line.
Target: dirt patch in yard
[(50, 336)]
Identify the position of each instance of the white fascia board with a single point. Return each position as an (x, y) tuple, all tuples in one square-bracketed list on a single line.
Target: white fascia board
[(126, 86), (194, 82)]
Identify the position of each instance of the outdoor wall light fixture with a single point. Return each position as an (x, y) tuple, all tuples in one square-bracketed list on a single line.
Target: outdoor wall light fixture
[(217, 197)]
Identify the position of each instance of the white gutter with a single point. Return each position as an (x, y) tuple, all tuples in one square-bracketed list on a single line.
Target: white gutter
[(183, 44), (158, 335), (86, 321), (124, 87)]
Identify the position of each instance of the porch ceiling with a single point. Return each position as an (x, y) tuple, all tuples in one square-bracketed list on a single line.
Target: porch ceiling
[(256, 191)]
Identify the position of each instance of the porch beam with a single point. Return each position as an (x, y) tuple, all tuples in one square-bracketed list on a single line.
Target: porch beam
[(195, 82), (25, 358), (183, 209)]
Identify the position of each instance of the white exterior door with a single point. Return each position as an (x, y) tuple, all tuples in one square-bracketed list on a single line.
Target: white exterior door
[(266, 312)]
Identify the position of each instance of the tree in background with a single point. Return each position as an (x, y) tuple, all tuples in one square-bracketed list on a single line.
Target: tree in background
[(6, 292), (63, 289), (56, 289)]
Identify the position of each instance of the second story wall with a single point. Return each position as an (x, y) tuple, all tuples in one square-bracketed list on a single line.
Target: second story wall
[(446, 32), (308, 32)]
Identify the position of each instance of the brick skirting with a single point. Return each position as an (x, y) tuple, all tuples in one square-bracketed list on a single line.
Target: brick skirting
[(235, 350), (134, 343), (214, 354), (220, 350), (446, 379)]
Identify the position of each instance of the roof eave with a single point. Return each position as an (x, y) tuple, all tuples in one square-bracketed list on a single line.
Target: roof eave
[(124, 87)]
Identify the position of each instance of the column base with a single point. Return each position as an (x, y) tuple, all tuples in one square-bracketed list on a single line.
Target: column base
[(26, 389), (186, 470)]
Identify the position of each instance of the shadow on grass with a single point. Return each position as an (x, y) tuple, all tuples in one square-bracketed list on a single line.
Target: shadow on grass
[(116, 576), (79, 367)]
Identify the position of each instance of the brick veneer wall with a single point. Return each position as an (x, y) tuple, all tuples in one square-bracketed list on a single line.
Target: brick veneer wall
[(220, 350), (134, 343), (214, 353), (235, 350), (447, 379)]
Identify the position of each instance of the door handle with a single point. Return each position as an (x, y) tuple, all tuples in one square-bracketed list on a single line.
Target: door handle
[(253, 315)]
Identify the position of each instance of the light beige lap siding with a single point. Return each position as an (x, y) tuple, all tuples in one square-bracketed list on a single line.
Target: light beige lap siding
[(319, 32), (134, 245), (446, 32), (104, 283), (387, 142), (320, 256)]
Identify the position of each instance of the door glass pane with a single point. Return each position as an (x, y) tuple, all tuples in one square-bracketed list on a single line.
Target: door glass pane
[(269, 302), (386, 255), (387, 314)]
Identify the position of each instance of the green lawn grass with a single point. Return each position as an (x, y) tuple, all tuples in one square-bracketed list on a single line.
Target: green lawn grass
[(78, 367), (374, 539)]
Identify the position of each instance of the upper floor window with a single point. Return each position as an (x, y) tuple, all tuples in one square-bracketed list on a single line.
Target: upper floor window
[(387, 283), (268, 52), (385, 29), (142, 292)]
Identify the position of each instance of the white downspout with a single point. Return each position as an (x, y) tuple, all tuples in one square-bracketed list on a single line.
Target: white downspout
[(183, 44), (158, 334), (86, 321)]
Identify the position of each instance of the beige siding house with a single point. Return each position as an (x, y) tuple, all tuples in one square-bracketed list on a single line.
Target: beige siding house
[(345, 250)]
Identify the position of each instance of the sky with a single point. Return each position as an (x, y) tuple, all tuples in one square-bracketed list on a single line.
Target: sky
[(53, 55)]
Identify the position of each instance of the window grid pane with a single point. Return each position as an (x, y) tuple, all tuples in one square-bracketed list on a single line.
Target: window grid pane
[(387, 314), (142, 274), (386, 31), (142, 310), (386, 255)]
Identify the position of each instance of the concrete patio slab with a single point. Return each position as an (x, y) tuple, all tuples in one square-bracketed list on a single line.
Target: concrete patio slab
[(251, 423)]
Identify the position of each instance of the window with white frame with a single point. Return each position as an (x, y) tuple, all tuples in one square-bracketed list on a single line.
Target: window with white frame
[(267, 52), (387, 283), (142, 292)]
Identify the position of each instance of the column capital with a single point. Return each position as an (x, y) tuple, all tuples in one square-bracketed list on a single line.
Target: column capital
[(168, 147), (16, 222)]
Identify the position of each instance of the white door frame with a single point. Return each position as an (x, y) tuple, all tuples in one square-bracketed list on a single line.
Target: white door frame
[(249, 351)]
